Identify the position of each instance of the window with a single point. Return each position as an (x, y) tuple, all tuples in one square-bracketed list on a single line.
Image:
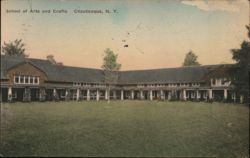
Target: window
[(36, 80), (213, 81), (16, 79), (21, 79), (26, 79), (31, 80)]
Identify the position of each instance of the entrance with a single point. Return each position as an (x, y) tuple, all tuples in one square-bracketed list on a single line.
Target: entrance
[(34, 94), (17, 94)]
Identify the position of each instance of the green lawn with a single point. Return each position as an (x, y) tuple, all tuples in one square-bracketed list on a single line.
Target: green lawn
[(125, 128)]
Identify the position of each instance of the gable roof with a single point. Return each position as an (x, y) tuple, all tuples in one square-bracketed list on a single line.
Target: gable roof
[(61, 73), (7, 63), (54, 72), (26, 62)]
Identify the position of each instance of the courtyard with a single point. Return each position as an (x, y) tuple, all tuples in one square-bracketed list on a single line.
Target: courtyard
[(125, 128)]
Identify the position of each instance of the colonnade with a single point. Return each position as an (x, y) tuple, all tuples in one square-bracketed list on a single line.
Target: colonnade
[(139, 94)]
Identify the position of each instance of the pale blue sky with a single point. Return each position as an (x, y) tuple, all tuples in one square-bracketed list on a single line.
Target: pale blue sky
[(158, 33)]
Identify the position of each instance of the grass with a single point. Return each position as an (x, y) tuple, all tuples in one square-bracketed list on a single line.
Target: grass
[(125, 128)]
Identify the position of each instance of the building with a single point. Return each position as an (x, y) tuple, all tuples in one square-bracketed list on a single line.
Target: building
[(27, 79)]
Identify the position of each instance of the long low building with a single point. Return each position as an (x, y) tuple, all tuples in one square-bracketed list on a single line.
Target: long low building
[(27, 79)]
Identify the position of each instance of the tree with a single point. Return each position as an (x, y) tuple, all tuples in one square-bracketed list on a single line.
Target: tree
[(52, 60), (190, 59), (110, 61), (110, 67), (241, 77), (15, 48)]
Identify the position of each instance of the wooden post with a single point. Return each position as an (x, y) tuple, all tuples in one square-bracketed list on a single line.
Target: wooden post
[(169, 95), (132, 94), (121, 94), (54, 93), (151, 95), (162, 95), (210, 94), (184, 95), (97, 95), (88, 95), (9, 94), (141, 95), (106, 94), (197, 95), (241, 99), (66, 95), (77, 94), (42, 94), (234, 96), (225, 94)]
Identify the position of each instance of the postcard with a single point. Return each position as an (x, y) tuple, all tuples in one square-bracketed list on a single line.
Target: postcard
[(124, 78)]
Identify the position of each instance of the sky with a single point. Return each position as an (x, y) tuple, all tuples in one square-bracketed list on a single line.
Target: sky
[(157, 33)]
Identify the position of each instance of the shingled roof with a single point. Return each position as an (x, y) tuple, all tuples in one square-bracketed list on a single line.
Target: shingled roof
[(167, 75), (54, 72), (62, 73)]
